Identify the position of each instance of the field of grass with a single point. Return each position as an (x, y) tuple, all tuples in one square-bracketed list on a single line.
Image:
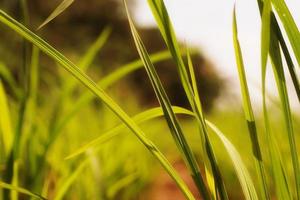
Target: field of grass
[(76, 135)]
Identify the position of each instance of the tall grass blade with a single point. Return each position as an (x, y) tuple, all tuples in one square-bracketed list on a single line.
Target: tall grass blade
[(170, 117), (92, 86), (59, 9), (285, 107), (20, 190), (279, 174), (256, 149), (289, 25), (160, 13), (209, 173), (15, 180), (5, 122)]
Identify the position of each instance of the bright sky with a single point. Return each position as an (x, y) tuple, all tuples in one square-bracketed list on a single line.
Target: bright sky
[(208, 24)]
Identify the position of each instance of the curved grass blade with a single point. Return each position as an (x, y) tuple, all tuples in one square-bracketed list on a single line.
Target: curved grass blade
[(99, 92), (20, 190), (170, 117), (289, 25), (111, 133), (105, 82), (60, 8), (160, 14), (241, 170), (256, 149)]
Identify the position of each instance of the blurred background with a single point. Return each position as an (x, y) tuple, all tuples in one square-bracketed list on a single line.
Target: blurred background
[(121, 168)]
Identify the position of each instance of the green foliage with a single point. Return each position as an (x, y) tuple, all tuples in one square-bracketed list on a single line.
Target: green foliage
[(38, 130)]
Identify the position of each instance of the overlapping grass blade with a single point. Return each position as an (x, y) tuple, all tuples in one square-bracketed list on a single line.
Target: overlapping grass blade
[(240, 168), (58, 10), (256, 149), (160, 13), (285, 107), (277, 167), (5, 122), (92, 86), (209, 174), (105, 82), (289, 25), (20, 190), (275, 31), (170, 117)]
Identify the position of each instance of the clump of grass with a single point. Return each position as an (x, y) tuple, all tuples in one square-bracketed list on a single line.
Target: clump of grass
[(211, 184)]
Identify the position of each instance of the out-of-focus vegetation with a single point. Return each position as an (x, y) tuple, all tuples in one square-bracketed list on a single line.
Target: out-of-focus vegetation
[(58, 141)]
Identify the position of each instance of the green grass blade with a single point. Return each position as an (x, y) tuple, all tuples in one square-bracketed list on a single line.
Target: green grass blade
[(69, 181), (240, 168), (213, 175), (97, 45), (59, 9), (289, 25), (111, 133), (6, 76), (170, 117), (292, 69), (160, 13), (5, 121), (92, 86), (256, 149), (15, 180), (277, 169), (20, 190), (285, 107), (87, 59)]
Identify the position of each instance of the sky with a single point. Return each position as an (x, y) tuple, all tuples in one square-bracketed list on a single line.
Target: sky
[(208, 25)]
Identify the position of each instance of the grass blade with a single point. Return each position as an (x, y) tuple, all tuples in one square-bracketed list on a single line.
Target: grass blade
[(289, 25), (170, 117), (59, 9), (285, 107), (278, 170), (256, 149), (92, 86), (165, 26), (5, 121), (6, 76), (20, 190), (240, 168), (69, 181)]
